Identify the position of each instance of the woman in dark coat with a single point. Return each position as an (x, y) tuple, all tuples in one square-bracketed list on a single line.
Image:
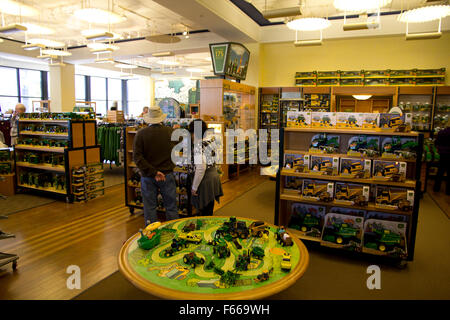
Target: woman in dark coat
[(206, 185)]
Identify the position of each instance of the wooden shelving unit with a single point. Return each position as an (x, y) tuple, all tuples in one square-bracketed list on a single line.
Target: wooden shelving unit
[(79, 148), (297, 140)]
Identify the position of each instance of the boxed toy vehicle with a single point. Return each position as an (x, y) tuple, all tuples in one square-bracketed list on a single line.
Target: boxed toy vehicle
[(317, 190), (351, 194), (348, 120), (324, 143), (385, 238), (325, 165), (296, 162), (395, 121), (370, 120), (399, 148), (394, 198), (389, 170), (323, 119), (298, 119), (363, 145), (355, 168), (308, 219), (293, 184), (342, 231)]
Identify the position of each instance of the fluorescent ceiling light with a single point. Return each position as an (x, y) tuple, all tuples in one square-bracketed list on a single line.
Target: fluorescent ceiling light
[(281, 13), (12, 28), (423, 36), (360, 5), (361, 25), (162, 54), (125, 66), (100, 36), (194, 70), (33, 46), (362, 96), (48, 43), (37, 29), (101, 46), (104, 50), (17, 9), (307, 43), (92, 32), (168, 62), (58, 53), (104, 60), (100, 16), (308, 24), (424, 14)]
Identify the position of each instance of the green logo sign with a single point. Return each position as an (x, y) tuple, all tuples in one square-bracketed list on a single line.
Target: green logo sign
[(219, 54)]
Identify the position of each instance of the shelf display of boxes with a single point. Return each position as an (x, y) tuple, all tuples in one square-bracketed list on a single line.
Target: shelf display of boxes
[(364, 184), (49, 146)]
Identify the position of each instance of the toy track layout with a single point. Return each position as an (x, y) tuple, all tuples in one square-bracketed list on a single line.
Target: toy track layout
[(213, 258)]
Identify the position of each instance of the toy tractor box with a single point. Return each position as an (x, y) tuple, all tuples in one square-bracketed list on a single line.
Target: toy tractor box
[(298, 119), (355, 168), (296, 162), (349, 211), (308, 219), (370, 120), (387, 238), (323, 119), (348, 120), (351, 194), (317, 190), (324, 143), (395, 121), (389, 170), (399, 148), (325, 165), (342, 231), (363, 145), (293, 185), (394, 198), (386, 216)]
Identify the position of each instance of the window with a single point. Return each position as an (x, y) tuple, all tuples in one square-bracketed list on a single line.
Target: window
[(30, 87), (98, 93), (136, 97), (80, 88), (115, 92), (9, 95)]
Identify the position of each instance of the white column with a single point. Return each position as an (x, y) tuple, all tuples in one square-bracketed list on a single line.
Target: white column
[(62, 88)]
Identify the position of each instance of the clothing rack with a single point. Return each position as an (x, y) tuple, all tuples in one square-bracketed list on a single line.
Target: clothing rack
[(110, 137)]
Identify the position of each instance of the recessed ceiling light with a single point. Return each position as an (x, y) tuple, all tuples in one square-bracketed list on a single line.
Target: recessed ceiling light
[(17, 9), (13, 28), (100, 16), (58, 53), (48, 43), (37, 29)]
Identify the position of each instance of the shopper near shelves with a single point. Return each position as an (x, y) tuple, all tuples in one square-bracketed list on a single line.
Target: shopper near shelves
[(20, 108), (206, 185), (114, 106), (152, 155), (144, 112), (443, 146)]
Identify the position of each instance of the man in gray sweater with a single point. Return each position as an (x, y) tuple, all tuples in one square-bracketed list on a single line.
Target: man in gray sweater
[(152, 155)]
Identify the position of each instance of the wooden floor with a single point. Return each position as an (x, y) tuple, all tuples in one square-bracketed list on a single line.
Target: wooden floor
[(52, 237)]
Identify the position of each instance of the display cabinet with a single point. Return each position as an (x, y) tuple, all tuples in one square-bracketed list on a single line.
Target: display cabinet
[(49, 147), (349, 188), (419, 102), (441, 111), (269, 108)]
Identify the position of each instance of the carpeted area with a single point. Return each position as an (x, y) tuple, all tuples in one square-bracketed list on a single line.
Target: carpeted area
[(332, 274)]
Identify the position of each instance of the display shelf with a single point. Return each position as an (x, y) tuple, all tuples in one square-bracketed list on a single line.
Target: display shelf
[(65, 121), (354, 131), (53, 190), (41, 166), (370, 207), (38, 148), (53, 135)]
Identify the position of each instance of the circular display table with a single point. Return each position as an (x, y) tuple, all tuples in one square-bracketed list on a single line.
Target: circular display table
[(214, 258)]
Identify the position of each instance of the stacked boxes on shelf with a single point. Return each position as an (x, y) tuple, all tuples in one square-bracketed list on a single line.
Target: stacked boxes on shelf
[(88, 182)]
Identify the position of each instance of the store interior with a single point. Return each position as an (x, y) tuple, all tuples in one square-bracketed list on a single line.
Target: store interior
[(354, 97)]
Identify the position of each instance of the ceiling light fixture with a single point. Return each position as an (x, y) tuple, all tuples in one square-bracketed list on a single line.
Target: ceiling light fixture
[(58, 53), (37, 29), (33, 46), (359, 5), (362, 96), (104, 60), (17, 9), (361, 25), (424, 14), (48, 43), (13, 28), (162, 54), (101, 46), (308, 24), (168, 62), (96, 32), (125, 66), (99, 16), (100, 36), (281, 13), (101, 51)]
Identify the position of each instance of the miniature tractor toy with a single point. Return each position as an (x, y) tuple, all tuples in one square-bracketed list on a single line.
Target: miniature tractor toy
[(342, 233), (264, 276), (191, 237), (283, 237), (298, 165), (309, 222), (286, 264), (355, 168), (388, 198), (257, 252), (323, 166), (243, 261), (150, 236), (387, 239), (354, 195), (258, 228), (313, 190), (192, 259), (221, 249)]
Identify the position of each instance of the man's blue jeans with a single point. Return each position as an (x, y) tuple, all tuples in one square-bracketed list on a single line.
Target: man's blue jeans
[(168, 189)]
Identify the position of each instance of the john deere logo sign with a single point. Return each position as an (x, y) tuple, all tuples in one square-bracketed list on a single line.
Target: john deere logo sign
[(219, 54)]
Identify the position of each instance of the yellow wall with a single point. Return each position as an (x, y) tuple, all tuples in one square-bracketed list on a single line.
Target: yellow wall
[(278, 62)]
